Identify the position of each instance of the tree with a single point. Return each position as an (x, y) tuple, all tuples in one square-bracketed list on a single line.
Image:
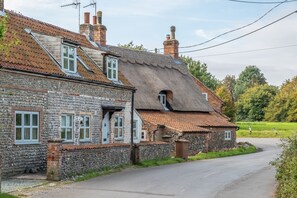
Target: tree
[(11, 40), (199, 70), (283, 108), (229, 107), (251, 104), (229, 82), (133, 46), (249, 77)]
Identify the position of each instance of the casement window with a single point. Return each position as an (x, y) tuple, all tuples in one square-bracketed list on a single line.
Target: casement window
[(85, 128), (163, 100), (205, 96), (228, 135), (26, 127), (118, 128), (112, 68), (67, 127), (69, 61), (135, 136)]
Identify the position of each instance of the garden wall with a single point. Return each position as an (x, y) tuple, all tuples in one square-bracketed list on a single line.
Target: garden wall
[(152, 150)]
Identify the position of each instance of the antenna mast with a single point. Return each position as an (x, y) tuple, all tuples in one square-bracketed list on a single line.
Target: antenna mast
[(76, 5), (94, 4)]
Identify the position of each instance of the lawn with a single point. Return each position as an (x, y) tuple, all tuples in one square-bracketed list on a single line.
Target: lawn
[(4, 195), (266, 129)]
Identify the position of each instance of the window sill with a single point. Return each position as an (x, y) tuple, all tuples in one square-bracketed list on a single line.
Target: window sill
[(27, 143), (85, 141), (118, 139)]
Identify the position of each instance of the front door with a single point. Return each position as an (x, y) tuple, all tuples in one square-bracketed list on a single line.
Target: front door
[(105, 129)]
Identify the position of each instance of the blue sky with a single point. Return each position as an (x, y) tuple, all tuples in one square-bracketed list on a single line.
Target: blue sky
[(148, 21)]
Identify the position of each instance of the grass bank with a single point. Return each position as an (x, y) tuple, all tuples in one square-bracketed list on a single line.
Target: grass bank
[(266, 129), (201, 156), (4, 195)]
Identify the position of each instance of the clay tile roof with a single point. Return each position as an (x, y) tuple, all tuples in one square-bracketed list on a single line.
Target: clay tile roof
[(29, 55), (186, 121)]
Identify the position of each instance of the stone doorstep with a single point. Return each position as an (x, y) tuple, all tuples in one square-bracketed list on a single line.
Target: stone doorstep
[(30, 176)]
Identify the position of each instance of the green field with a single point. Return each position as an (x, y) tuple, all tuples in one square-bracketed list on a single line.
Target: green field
[(266, 129)]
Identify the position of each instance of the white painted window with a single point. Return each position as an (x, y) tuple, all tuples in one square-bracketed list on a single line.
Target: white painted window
[(118, 128), (205, 96), (69, 61), (143, 135), (135, 131), (163, 99), (26, 127), (228, 135), (85, 128), (112, 68), (67, 127)]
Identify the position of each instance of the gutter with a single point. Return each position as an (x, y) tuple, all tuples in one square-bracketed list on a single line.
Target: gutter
[(133, 160)]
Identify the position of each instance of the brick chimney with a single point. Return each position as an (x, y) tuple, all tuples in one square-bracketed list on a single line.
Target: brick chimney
[(100, 30), (86, 28), (171, 44), (1, 6)]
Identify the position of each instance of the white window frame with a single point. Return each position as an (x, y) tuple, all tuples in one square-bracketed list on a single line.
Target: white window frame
[(205, 96), (228, 135), (162, 99), (143, 135), (117, 134), (67, 127), (74, 59), (84, 128), (135, 129), (112, 68), (23, 127)]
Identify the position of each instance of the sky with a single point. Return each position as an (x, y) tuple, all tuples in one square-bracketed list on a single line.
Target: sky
[(148, 21)]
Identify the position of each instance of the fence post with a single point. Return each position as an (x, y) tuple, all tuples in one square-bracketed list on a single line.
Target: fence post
[(54, 154)]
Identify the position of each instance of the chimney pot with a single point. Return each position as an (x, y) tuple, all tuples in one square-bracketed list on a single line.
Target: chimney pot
[(172, 29), (94, 20), (86, 17), (99, 16), (167, 37), (1, 6)]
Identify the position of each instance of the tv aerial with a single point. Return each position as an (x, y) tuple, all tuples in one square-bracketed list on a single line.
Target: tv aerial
[(94, 4), (75, 4)]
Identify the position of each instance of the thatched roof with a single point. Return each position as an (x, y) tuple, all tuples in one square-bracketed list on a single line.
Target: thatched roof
[(152, 73)]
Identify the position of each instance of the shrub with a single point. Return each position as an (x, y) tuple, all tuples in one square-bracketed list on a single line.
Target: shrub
[(286, 169)]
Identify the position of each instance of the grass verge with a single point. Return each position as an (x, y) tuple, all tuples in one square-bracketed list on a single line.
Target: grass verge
[(5, 195), (266, 129), (200, 156)]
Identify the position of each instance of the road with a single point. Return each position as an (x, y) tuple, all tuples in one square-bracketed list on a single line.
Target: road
[(243, 176)]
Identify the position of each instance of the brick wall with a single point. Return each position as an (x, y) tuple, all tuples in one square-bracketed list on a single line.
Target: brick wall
[(152, 150), (51, 97), (68, 160)]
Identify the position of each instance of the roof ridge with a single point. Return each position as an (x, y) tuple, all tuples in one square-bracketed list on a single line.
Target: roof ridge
[(41, 22)]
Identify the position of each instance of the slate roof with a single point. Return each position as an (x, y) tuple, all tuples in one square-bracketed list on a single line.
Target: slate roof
[(187, 121), (151, 73), (30, 56)]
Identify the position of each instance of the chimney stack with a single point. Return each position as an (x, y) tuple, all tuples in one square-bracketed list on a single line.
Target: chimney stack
[(86, 28), (171, 44), (100, 30), (1, 6)]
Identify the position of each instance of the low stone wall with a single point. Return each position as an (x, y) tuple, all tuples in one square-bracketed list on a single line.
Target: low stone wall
[(152, 150), (68, 160)]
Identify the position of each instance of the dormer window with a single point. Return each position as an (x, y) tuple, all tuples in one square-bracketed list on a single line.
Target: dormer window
[(69, 63), (163, 100), (205, 96), (112, 68)]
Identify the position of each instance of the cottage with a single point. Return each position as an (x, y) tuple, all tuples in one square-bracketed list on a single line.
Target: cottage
[(171, 103), (56, 85)]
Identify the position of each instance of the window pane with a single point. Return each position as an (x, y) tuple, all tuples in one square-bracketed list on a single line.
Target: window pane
[(87, 133), (116, 135), (81, 136), (109, 73), (69, 134), (65, 51), (71, 52), (35, 120), (87, 121), (18, 120), (120, 122), (116, 122), (114, 64), (65, 64), (27, 119), (109, 64), (18, 134), (63, 134), (120, 132), (134, 124), (35, 134), (63, 120), (70, 121), (114, 74), (27, 134), (71, 65)]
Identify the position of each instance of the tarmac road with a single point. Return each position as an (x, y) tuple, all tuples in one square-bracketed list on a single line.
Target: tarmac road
[(239, 177)]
